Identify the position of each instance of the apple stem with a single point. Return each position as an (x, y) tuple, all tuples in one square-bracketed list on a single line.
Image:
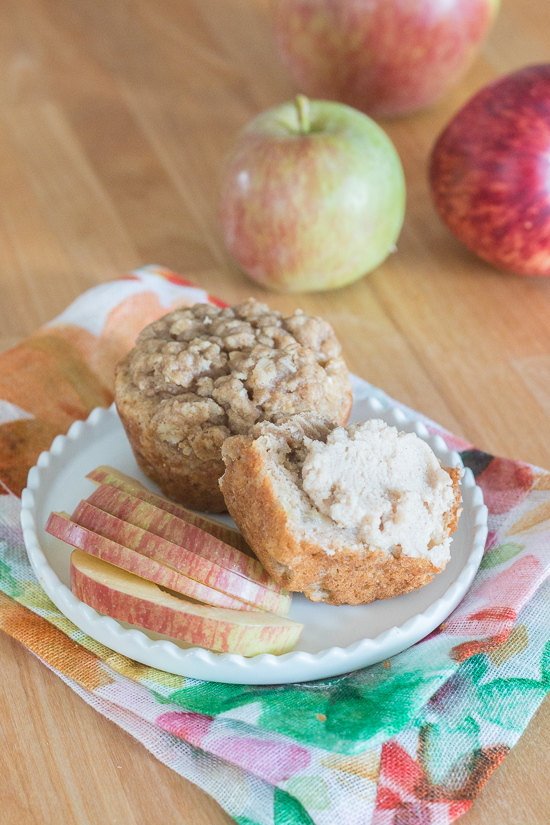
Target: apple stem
[(304, 109)]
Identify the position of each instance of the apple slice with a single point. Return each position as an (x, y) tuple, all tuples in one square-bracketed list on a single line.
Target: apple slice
[(158, 521), (223, 532), (126, 597), (179, 558), (61, 526)]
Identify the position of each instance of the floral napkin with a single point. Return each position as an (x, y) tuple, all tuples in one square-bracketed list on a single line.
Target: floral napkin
[(410, 741)]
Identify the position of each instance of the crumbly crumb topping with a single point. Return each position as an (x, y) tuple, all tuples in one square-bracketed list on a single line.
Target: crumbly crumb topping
[(210, 372), (289, 437)]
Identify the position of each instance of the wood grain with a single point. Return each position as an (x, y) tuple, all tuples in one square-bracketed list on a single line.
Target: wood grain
[(115, 116)]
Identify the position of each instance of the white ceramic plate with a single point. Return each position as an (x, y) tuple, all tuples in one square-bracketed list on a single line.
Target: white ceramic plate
[(335, 640)]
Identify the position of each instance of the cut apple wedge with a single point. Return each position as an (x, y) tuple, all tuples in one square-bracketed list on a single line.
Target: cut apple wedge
[(155, 520), (61, 526), (223, 532), (126, 597), (180, 558)]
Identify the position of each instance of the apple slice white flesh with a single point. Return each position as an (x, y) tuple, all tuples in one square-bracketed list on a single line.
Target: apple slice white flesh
[(157, 521), (180, 558), (61, 526), (223, 532), (126, 597)]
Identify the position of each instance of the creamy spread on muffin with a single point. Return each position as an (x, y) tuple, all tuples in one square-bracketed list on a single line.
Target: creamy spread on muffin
[(386, 486)]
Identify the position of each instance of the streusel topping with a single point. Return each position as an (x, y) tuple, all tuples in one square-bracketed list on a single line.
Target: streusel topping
[(211, 372)]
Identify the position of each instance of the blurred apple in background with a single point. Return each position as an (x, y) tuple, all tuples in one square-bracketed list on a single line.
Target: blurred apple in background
[(313, 196), (384, 57), (490, 172)]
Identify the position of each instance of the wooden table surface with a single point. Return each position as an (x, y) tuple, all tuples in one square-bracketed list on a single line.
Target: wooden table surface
[(114, 117)]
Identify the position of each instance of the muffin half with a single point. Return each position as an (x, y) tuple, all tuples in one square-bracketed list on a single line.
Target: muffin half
[(346, 515)]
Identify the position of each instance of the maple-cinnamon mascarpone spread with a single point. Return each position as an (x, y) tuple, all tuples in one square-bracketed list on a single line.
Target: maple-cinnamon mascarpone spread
[(203, 373), (384, 486)]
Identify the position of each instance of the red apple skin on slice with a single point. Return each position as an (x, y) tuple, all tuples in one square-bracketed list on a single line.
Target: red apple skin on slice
[(61, 526), (157, 521), (180, 559), (125, 597), (223, 532)]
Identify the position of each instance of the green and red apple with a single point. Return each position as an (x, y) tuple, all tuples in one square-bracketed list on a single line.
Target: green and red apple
[(384, 57), (312, 196)]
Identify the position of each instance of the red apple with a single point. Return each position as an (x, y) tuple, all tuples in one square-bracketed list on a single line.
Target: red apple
[(490, 172), (312, 197), (129, 598), (385, 57), (223, 532)]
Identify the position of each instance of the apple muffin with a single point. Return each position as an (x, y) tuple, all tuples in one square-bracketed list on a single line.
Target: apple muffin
[(204, 373), (347, 515)]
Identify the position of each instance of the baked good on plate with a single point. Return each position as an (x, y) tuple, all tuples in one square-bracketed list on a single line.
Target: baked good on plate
[(203, 373), (346, 515)]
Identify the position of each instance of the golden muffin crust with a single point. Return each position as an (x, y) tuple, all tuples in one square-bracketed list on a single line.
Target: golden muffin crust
[(201, 374)]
